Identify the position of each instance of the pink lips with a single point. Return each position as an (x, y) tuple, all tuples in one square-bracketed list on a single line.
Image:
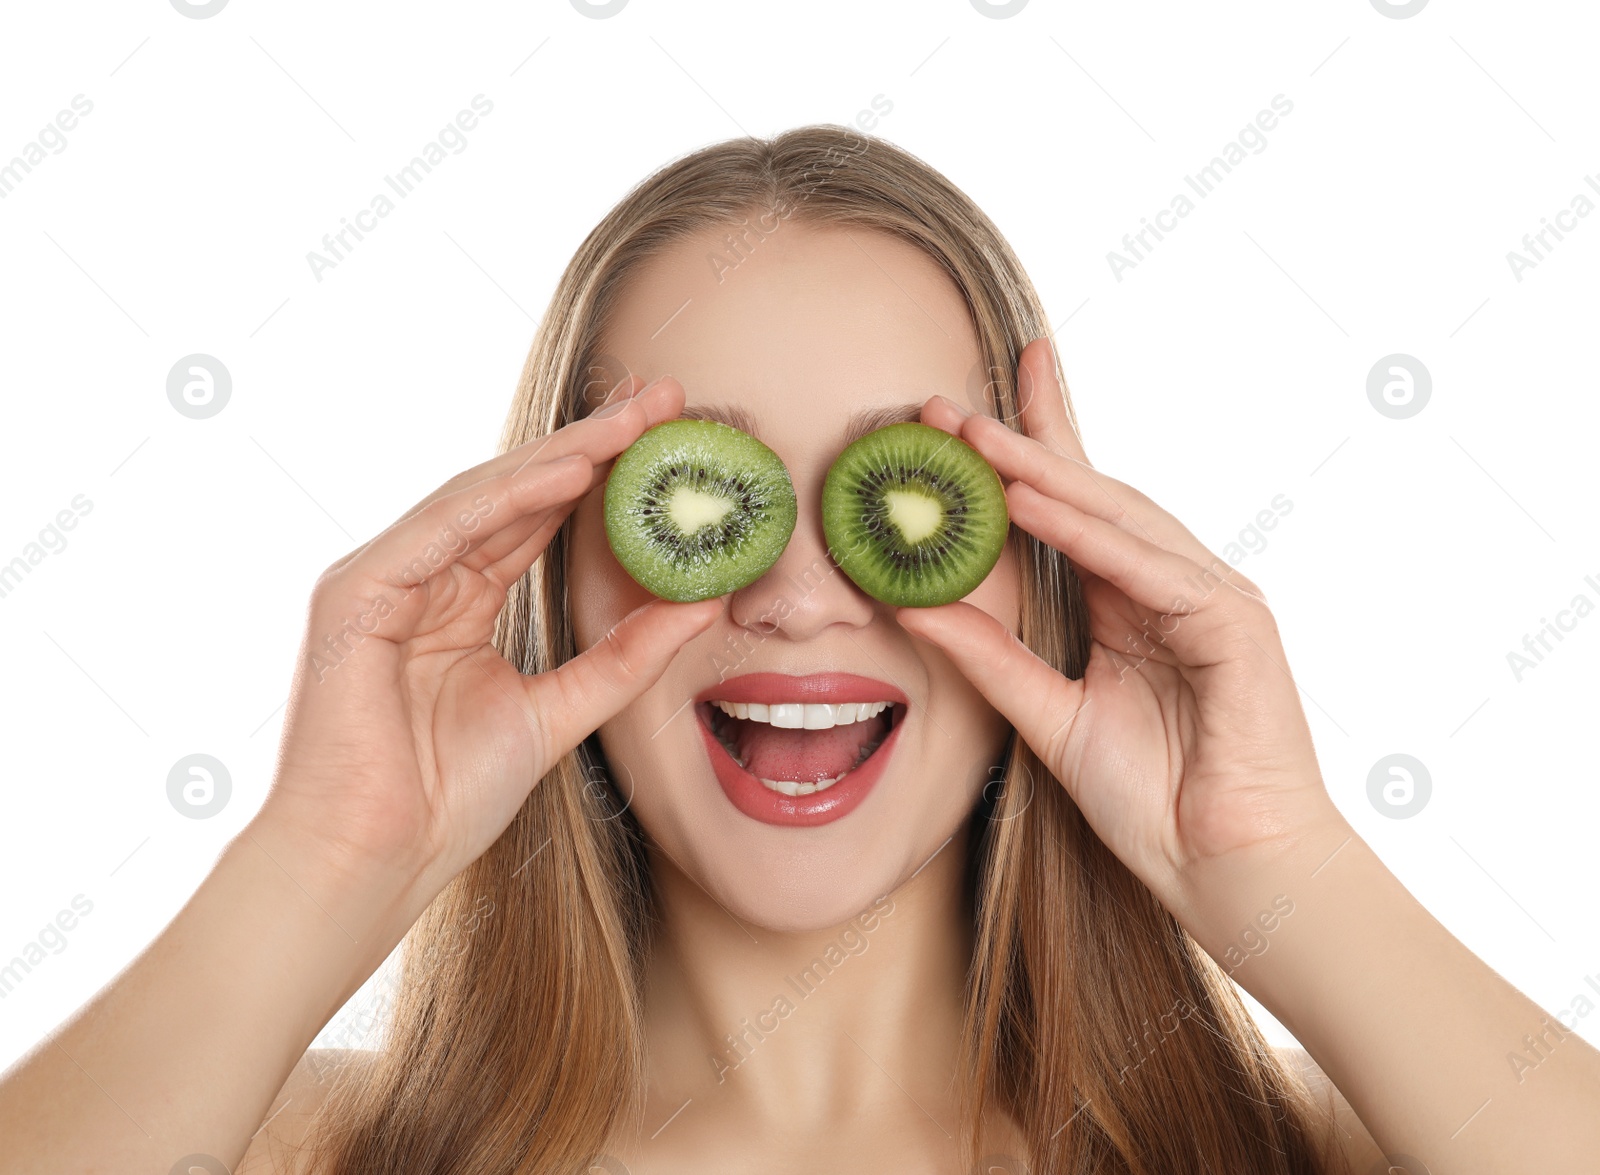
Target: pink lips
[(749, 794)]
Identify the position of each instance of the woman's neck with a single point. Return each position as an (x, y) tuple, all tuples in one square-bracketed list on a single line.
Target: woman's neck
[(797, 1033)]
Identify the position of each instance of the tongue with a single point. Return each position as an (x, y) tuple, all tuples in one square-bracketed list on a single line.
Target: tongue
[(804, 756)]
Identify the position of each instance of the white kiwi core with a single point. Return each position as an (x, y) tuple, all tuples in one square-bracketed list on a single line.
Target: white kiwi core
[(690, 509), (916, 516)]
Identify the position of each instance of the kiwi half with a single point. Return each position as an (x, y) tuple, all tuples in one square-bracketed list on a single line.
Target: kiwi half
[(696, 509), (915, 516)]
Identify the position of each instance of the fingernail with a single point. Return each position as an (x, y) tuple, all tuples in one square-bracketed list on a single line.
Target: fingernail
[(957, 408), (651, 384)]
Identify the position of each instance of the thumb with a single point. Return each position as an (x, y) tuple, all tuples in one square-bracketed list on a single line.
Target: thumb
[(1033, 697), (575, 698)]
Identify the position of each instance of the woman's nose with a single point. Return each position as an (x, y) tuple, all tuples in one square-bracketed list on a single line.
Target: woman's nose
[(804, 592)]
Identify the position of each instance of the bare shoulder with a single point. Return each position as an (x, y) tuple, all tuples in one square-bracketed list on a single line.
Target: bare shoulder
[(1350, 1137), (275, 1149)]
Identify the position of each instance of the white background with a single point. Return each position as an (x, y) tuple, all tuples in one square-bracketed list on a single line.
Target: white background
[(1228, 367)]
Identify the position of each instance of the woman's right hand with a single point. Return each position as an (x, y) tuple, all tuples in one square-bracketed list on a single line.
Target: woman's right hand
[(409, 741)]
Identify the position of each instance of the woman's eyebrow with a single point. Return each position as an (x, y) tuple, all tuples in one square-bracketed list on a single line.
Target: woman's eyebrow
[(861, 422), (870, 419), (730, 414)]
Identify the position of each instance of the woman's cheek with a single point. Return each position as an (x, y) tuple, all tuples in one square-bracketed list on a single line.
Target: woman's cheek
[(600, 592), (1000, 594)]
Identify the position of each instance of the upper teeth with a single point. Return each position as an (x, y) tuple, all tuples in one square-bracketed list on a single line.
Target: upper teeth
[(803, 715)]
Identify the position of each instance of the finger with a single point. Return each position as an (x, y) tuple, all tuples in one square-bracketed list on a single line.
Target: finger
[(942, 413), (1090, 491), (599, 437), (1044, 448), (1032, 696), (576, 697), (609, 429), (1020, 458), (1160, 580), (537, 533), (624, 389), (503, 546), (1047, 419), (1042, 396), (450, 528), (511, 552)]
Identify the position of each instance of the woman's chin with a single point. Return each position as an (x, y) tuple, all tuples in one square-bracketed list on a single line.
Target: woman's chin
[(815, 913)]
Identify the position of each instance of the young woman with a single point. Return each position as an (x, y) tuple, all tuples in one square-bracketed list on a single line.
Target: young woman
[(1077, 807)]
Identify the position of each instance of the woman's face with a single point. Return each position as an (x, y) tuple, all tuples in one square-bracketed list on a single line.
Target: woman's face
[(814, 335)]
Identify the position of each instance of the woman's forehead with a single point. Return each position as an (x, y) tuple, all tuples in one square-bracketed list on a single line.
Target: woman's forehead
[(835, 322)]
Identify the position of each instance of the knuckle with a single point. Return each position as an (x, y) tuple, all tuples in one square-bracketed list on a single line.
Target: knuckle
[(1249, 587), (1116, 511), (541, 726), (1251, 608), (1055, 743), (1244, 589), (1144, 503), (1074, 530), (540, 448), (1009, 655), (332, 583), (1140, 568), (617, 415), (436, 512), (624, 670), (341, 583)]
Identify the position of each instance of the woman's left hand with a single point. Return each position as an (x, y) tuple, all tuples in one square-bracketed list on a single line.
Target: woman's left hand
[(1184, 744), (1186, 749)]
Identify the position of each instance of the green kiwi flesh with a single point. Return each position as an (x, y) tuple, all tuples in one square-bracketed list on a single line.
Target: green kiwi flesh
[(696, 509), (914, 516)]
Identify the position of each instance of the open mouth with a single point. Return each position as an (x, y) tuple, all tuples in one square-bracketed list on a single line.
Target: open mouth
[(800, 748)]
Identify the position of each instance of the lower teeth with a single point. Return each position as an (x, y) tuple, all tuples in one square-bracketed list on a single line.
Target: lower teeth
[(791, 787)]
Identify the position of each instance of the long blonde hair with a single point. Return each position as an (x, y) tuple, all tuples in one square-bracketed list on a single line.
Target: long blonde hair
[(520, 1048)]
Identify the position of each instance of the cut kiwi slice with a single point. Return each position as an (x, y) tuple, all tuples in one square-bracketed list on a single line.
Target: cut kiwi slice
[(915, 516), (696, 509)]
